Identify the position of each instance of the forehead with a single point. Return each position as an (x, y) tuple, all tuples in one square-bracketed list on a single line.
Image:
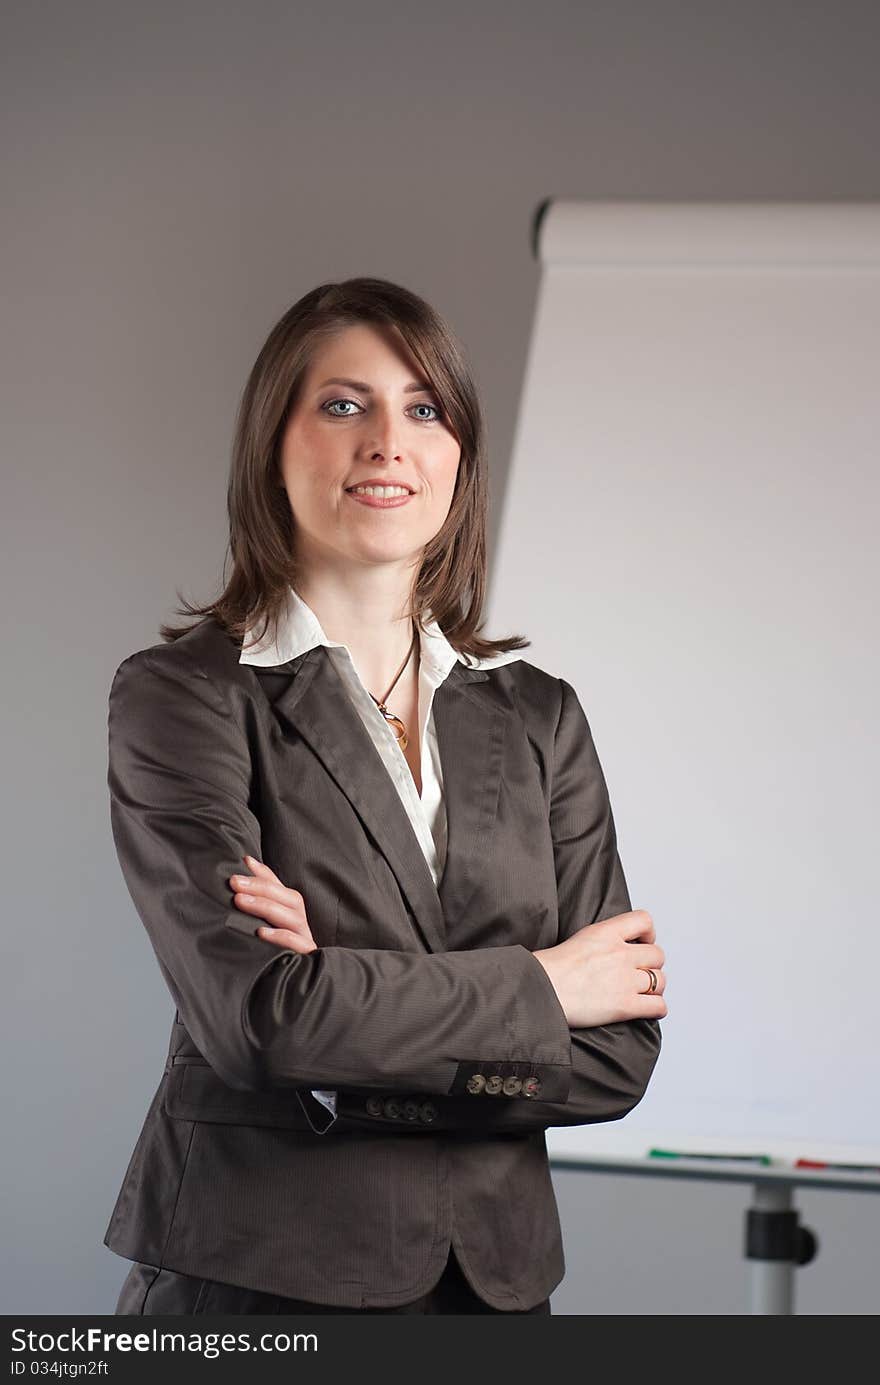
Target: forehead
[(360, 351)]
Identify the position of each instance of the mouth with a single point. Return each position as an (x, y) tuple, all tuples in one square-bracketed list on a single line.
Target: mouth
[(380, 497), (381, 486), (379, 501)]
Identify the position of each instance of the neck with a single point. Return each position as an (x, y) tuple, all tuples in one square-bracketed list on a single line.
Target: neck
[(371, 619)]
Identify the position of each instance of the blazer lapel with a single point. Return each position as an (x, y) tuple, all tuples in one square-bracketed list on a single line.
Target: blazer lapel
[(316, 703), (470, 730)]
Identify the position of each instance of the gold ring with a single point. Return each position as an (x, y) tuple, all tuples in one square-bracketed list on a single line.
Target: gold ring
[(653, 976)]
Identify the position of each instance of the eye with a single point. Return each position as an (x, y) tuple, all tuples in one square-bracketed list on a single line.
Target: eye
[(437, 411), (330, 407)]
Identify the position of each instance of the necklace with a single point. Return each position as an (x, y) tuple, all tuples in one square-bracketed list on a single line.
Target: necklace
[(395, 722)]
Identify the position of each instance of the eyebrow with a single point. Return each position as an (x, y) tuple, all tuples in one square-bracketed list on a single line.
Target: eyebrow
[(368, 389)]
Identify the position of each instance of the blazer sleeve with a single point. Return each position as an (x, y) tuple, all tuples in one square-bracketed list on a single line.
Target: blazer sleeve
[(180, 779), (611, 1064)]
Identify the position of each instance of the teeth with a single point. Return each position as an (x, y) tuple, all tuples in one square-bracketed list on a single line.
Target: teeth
[(381, 491)]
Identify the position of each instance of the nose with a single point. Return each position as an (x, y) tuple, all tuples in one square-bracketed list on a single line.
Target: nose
[(385, 441)]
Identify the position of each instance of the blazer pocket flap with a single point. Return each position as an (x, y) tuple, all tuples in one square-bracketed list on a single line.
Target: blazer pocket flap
[(194, 1092)]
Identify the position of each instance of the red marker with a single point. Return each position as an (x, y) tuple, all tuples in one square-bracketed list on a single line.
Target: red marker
[(847, 1168)]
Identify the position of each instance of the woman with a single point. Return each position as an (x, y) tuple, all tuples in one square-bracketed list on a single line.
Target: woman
[(366, 843)]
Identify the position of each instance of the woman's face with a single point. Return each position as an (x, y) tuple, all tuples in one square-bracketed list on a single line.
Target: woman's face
[(364, 411)]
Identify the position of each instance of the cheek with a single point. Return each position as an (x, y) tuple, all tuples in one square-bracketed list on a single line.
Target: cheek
[(446, 471), (309, 452), (311, 473), (442, 488)]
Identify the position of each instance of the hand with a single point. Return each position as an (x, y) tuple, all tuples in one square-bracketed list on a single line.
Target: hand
[(263, 895), (599, 972)]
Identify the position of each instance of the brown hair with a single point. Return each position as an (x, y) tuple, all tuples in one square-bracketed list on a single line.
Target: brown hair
[(451, 581)]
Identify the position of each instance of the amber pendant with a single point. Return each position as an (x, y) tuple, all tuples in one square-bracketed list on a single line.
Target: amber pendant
[(397, 725)]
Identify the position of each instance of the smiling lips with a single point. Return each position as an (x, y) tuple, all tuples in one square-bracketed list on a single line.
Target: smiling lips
[(377, 499)]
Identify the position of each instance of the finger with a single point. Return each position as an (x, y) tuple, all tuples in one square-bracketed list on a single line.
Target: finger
[(647, 955), (265, 887), (643, 981), (649, 1007), (272, 910), (637, 925), (283, 937), (260, 868)]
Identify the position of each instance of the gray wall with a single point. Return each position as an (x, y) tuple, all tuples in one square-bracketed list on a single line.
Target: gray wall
[(174, 177)]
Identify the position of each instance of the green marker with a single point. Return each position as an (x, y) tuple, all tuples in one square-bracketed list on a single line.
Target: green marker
[(763, 1159)]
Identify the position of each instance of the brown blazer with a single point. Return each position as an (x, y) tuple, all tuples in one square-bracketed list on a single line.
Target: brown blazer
[(424, 1008)]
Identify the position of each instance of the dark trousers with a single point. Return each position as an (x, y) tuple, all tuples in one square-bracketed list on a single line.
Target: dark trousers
[(148, 1289)]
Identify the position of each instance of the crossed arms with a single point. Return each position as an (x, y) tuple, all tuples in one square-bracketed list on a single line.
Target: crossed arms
[(359, 1020)]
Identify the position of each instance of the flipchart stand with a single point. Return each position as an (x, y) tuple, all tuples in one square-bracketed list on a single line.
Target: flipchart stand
[(774, 1242)]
